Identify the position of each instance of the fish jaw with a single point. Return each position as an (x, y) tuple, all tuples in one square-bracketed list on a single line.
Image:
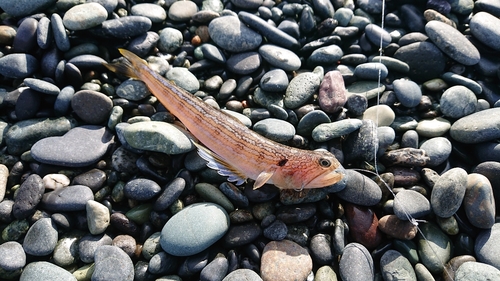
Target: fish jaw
[(326, 179)]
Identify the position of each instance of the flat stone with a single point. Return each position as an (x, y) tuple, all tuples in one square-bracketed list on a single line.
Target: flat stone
[(112, 264), (280, 57), (284, 260), (182, 11), (477, 127), (212, 194), (452, 42), (141, 189), (41, 238), (202, 223), (91, 106), (42, 270), (327, 131), (27, 197), (84, 16), (484, 27), (86, 145), (70, 198), (274, 80), (381, 115), (356, 263), (395, 266), (479, 203), (242, 234), (309, 121), (244, 63), (126, 27), (16, 8), (184, 79), (134, 90), (436, 127), (154, 12), (426, 61), (327, 55), (232, 35), (157, 136), (18, 65)]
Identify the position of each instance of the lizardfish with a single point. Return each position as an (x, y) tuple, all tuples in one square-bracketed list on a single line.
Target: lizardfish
[(230, 147)]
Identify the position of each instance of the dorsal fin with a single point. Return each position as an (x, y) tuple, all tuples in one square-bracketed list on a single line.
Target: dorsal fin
[(220, 165)]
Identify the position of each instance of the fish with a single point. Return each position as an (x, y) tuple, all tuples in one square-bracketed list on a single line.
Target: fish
[(229, 146)]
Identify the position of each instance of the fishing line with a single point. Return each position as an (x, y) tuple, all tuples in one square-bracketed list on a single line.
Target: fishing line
[(410, 218)]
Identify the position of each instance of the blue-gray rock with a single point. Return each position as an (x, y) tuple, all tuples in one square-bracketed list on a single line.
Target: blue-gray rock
[(362, 144), (41, 238), (409, 204), (280, 57), (272, 33), (274, 80), (477, 127), (154, 12), (301, 89), (356, 104), (392, 63), (242, 234), (433, 128), (452, 42), (12, 257), (309, 121), (112, 264), (374, 33), (42, 86), (275, 129), (170, 40), (434, 247), (79, 147), (143, 44), (328, 55), (183, 78), (448, 192), (70, 198), (479, 203), (157, 136), (25, 39), (457, 102), (42, 270), (87, 61), (170, 193), (276, 231), (476, 271), (28, 196), (484, 27), (141, 189), (84, 16), (244, 63), (88, 245), (487, 248), (394, 266), (425, 60), (371, 71), (242, 274), (407, 92), (163, 263), (134, 90), (126, 27), (215, 270), (321, 249), (194, 229), (66, 250), (28, 103), (438, 149), (18, 65), (22, 8), (44, 34), (356, 263), (231, 34), (60, 36), (22, 135), (327, 131), (454, 78), (360, 190), (213, 53)]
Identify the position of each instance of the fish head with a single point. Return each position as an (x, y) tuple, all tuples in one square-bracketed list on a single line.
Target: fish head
[(325, 170)]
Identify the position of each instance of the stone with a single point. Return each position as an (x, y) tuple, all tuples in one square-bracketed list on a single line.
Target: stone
[(41, 238), (97, 217), (284, 260), (280, 57), (242, 274), (434, 247), (393, 265), (27, 197), (477, 127), (448, 192), (409, 204), (360, 190), (399, 229), (457, 102), (232, 35), (42, 270), (484, 27), (486, 246), (476, 271), (356, 263), (70, 198), (84, 16), (407, 92), (18, 65), (112, 263)]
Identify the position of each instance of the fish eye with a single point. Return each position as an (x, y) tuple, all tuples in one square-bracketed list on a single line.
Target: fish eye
[(325, 163)]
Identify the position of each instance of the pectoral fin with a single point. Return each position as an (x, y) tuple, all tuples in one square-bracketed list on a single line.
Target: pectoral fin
[(220, 165), (264, 177)]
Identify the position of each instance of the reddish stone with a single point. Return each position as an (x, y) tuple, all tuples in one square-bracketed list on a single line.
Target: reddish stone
[(332, 93), (397, 228), (363, 226)]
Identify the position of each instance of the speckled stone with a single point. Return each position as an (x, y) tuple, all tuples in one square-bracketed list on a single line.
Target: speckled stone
[(84, 16), (356, 263), (301, 89), (477, 127), (42, 270), (479, 203), (448, 192), (285, 260), (231, 34)]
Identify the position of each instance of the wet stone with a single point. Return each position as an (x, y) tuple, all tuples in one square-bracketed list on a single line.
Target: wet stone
[(448, 192), (86, 145), (234, 194), (361, 144), (321, 251), (170, 193), (215, 270), (285, 260)]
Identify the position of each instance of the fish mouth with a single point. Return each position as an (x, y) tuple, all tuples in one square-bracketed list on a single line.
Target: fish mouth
[(327, 179)]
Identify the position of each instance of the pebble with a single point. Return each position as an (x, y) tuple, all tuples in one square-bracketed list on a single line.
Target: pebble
[(274, 80), (182, 11), (486, 246), (212, 194), (84, 16), (452, 42), (280, 57), (371, 71), (448, 192), (438, 149), (477, 127), (25, 39), (231, 34), (381, 115), (12, 258), (66, 250), (91, 106), (184, 79), (18, 65), (479, 204), (435, 249), (407, 92), (242, 274), (28, 196), (141, 189), (453, 78), (457, 102), (170, 39), (86, 145), (42, 270), (41, 238), (112, 263), (242, 234), (431, 128), (360, 190), (394, 227), (309, 121), (132, 90), (285, 260), (60, 36), (328, 131), (477, 271), (356, 263), (179, 233), (70, 198), (363, 226), (301, 88), (157, 136), (244, 63), (97, 217), (327, 55), (88, 245), (425, 60), (483, 27), (126, 27), (154, 12), (395, 266), (332, 93)]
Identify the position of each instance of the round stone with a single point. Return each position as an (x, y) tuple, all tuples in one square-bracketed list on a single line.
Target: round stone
[(477, 127), (360, 190), (301, 89), (97, 217), (20, 8), (381, 115), (476, 271), (356, 263), (448, 192), (332, 94), (371, 71), (438, 149), (91, 106), (141, 189), (274, 80), (327, 131), (84, 16), (231, 34), (133, 90), (309, 121), (458, 101), (18, 65), (487, 248), (395, 266), (70, 198), (484, 27), (41, 238), (12, 256), (407, 92), (184, 79), (194, 229), (42, 270), (285, 260), (154, 12), (182, 10), (244, 63), (112, 264), (426, 61), (242, 274), (327, 55), (434, 247), (170, 40), (433, 128), (479, 203), (280, 57)]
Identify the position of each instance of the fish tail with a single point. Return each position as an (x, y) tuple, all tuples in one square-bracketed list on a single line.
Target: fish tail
[(128, 67)]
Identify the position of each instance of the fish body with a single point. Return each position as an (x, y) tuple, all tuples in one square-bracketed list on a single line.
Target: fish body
[(231, 148)]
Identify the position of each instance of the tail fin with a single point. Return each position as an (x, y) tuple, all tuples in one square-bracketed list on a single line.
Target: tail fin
[(128, 67)]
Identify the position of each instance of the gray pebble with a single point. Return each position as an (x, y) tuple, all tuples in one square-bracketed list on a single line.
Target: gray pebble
[(162, 263), (361, 144), (321, 250), (425, 60), (309, 121), (484, 27), (327, 131), (477, 127), (301, 89), (395, 266), (215, 270), (213, 53), (154, 12), (66, 251), (126, 27), (275, 129), (374, 33), (454, 78), (410, 204), (63, 100), (356, 263), (448, 192), (438, 149), (487, 244), (60, 36), (134, 90), (274, 80), (371, 71), (141, 189), (182, 11), (20, 8), (18, 65), (170, 40), (360, 190), (42, 270), (242, 274), (112, 263), (42, 86), (276, 231), (88, 245), (143, 44), (12, 256), (433, 128), (231, 34), (407, 92), (41, 238), (479, 204), (27, 197), (476, 271), (184, 78), (84, 16), (280, 57), (44, 34), (70, 198), (457, 102), (109, 5), (328, 55), (244, 63), (434, 248)]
